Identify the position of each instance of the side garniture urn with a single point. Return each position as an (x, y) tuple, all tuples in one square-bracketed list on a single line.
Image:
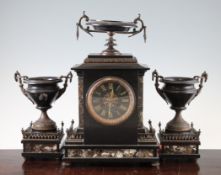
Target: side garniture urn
[(42, 138), (179, 139)]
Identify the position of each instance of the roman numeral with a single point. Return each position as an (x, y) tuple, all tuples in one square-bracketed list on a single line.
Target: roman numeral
[(118, 113), (98, 93), (103, 88), (110, 86), (125, 100), (123, 93), (103, 112), (96, 100), (110, 115), (123, 107), (98, 107), (118, 88)]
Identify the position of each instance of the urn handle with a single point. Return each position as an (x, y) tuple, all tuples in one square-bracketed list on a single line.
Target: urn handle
[(66, 78), (157, 78), (201, 79), (84, 17), (141, 28), (20, 79)]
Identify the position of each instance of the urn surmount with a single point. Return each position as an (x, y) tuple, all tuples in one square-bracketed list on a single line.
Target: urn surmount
[(42, 139), (179, 139), (110, 102)]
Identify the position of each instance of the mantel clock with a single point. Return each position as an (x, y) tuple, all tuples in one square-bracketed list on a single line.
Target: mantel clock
[(110, 102)]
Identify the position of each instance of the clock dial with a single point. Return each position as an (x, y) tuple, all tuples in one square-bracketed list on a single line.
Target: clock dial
[(110, 100)]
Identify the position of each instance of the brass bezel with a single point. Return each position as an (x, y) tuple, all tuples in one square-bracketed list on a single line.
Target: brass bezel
[(122, 118)]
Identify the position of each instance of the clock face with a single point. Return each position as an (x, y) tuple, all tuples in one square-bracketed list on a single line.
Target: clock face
[(110, 100)]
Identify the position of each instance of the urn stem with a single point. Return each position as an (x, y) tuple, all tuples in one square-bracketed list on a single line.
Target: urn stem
[(178, 124), (110, 46), (44, 123)]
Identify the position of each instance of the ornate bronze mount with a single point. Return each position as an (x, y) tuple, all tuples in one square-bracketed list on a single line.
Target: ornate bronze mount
[(43, 91), (111, 28), (178, 91)]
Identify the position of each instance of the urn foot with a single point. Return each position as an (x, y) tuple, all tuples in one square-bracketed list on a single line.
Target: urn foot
[(178, 124), (44, 123)]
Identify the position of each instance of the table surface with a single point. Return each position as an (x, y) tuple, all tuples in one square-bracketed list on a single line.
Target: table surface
[(12, 163)]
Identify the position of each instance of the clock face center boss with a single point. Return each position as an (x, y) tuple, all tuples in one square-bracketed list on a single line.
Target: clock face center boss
[(110, 100)]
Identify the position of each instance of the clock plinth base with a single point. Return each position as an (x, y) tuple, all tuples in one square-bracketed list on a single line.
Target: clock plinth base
[(42, 145), (179, 145), (76, 151), (110, 153)]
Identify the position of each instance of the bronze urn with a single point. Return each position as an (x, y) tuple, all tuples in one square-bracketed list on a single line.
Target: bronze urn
[(178, 91), (43, 91)]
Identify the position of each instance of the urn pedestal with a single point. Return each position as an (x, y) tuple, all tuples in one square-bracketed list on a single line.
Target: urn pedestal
[(179, 145), (42, 145)]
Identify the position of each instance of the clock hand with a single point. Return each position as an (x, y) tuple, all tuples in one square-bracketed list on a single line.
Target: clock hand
[(109, 110), (112, 93)]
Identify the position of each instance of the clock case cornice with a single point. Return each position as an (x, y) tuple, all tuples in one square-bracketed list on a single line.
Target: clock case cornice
[(98, 61)]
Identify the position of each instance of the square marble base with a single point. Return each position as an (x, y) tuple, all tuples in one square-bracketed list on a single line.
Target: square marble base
[(41, 145)]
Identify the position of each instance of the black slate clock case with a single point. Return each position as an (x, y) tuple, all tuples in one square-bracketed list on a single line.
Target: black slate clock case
[(125, 132)]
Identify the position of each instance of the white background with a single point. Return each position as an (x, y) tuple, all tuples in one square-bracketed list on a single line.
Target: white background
[(37, 37)]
